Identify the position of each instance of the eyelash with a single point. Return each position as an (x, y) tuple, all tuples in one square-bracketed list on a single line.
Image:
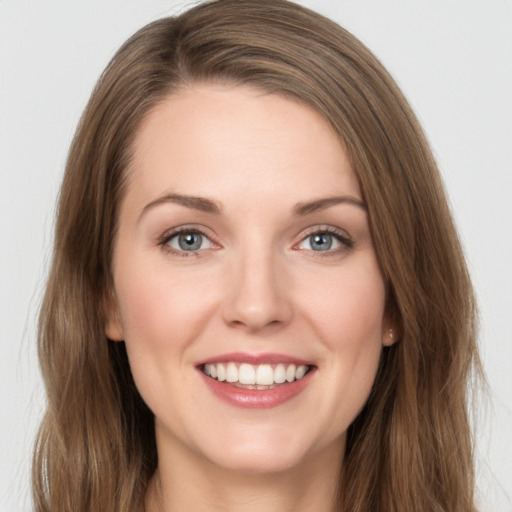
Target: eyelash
[(346, 243), (185, 230)]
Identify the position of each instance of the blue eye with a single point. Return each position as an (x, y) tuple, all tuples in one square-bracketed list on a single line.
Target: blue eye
[(189, 241), (325, 241), (320, 242)]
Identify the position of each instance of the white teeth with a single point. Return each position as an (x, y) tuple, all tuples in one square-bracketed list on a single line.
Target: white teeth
[(300, 372), (221, 372), (279, 374), (246, 374), (261, 375), (232, 373), (265, 375), (290, 373)]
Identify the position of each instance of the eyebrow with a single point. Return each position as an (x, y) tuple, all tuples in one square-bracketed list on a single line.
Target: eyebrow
[(324, 203), (208, 206), (197, 203)]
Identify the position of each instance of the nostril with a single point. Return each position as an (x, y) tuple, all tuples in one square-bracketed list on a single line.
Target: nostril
[(257, 298)]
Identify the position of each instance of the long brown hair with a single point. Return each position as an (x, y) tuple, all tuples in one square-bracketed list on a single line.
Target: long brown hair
[(411, 447)]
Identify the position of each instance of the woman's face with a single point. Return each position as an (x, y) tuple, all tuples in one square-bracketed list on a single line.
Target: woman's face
[(244, 252)]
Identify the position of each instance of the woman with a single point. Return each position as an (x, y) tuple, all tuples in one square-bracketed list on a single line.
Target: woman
[(257, 299)]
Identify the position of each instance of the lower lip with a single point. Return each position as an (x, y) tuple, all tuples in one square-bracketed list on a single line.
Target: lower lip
[(257, 398)]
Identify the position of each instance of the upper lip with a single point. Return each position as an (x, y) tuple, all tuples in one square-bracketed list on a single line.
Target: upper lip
[(255, 359)]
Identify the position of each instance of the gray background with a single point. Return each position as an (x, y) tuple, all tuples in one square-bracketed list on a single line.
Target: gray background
[(453, 59)]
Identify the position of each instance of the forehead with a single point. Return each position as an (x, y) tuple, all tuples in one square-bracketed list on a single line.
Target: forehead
[(218, 139)]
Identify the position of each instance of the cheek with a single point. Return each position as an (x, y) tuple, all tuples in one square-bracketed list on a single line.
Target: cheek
[(359, 323), (160, 307), (162, 313), (348, 318), (349, 311)]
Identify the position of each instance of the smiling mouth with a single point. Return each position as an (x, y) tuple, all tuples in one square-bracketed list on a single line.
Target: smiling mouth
[(259, 377)]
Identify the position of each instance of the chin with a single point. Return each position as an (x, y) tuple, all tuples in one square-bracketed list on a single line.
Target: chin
[(259, 461), (265, 452)]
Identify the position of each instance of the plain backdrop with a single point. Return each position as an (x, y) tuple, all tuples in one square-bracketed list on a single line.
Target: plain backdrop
[(453, 59)]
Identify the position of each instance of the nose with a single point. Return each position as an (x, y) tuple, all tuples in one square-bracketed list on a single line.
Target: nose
[(259, 293)]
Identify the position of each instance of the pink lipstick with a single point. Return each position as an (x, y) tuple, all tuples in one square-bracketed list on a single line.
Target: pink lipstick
[(256, 381)]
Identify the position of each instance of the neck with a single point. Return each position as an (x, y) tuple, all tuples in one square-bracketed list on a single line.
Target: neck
[(186, 482)]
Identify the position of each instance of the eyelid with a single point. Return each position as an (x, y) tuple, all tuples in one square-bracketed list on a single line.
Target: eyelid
[(168, 235), (341, 235)]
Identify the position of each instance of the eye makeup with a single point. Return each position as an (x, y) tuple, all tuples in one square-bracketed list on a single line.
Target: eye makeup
[(319, 240)]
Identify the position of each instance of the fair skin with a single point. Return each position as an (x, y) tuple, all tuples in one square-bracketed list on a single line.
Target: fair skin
[(274, 267)]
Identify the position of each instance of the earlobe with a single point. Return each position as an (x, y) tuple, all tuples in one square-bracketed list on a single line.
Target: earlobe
[(390, 331), (389, 337), (113, 325), (391, 324)]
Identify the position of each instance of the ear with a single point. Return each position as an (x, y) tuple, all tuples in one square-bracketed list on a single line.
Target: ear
[(389, 337), (392, 321), (113, 325), (390, 332)]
